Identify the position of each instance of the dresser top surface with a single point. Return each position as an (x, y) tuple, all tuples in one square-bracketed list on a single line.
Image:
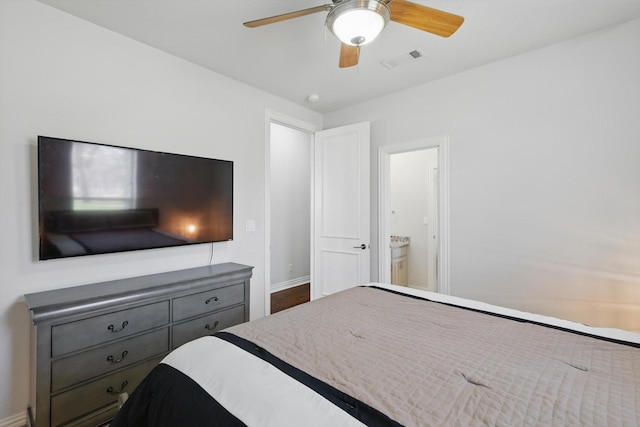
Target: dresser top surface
[(129, 289)]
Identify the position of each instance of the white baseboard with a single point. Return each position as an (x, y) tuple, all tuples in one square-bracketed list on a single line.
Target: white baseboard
[(275, 287), (19, 420)]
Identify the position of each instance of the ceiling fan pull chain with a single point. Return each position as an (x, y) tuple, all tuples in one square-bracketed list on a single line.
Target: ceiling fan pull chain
[(325, 35)]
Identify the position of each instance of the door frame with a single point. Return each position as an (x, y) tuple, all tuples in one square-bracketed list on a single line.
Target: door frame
[(303, 126), (384, 207)]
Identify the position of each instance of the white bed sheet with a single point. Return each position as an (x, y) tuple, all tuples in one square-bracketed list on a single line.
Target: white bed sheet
[(612, 333)]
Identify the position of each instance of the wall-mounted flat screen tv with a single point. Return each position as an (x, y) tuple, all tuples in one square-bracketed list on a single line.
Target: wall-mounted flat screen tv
[(98, 199)]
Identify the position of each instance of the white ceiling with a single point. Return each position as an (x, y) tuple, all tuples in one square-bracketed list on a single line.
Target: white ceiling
[(298, 57)]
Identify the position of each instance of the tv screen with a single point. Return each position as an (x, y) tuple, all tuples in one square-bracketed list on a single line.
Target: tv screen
[(97, 199)]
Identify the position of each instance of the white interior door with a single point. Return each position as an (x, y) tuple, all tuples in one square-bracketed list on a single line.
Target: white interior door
[(432, 259), (341, 255)]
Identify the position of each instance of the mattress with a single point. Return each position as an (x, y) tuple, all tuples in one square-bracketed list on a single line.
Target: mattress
[(382, 355)]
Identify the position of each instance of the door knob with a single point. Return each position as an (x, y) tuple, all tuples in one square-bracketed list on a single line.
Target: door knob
[(362, 246)]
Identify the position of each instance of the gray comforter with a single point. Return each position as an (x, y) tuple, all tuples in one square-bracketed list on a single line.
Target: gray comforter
[(425, 363)]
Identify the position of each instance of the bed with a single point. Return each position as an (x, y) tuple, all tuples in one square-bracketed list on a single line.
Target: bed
[(382, 355)]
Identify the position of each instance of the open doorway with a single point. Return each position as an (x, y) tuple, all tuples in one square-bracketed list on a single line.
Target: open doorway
[(290, 215), (413, 221), (414, 214)]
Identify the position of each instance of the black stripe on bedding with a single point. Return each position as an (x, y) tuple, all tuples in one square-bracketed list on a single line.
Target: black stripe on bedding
[(505, 316), (354, 407), (169, 398)]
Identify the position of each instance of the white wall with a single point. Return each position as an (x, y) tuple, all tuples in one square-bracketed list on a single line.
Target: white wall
[(290, 205), (544, 176), (64, 77)]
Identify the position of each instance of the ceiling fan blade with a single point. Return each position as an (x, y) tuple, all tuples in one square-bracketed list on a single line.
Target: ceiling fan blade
[(285, 16), (349, 55), (424, 18)]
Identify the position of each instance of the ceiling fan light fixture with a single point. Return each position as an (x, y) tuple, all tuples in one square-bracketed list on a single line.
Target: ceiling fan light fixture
[(358, 22)]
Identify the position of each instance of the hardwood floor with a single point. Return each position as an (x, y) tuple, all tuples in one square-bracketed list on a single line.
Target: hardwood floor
[(288, 298)]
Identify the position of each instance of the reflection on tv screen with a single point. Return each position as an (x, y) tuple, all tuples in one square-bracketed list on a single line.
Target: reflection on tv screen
[(96, 198)]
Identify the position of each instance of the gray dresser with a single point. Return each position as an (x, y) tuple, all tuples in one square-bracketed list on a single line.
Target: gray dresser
[(95, 342)]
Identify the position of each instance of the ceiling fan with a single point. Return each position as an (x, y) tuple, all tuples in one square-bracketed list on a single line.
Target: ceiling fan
[(358, 22)]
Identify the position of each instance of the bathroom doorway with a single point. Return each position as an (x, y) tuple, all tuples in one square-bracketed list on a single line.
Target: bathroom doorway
[(413, 205), (413, 224)]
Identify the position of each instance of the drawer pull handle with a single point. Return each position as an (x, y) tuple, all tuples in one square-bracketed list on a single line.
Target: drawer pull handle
[(211, 328), (214, 299), (111, 390), (113, 328), (111, 360)]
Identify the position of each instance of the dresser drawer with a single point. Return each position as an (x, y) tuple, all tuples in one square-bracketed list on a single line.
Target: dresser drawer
[(102, 329), (92, 363), (100, 418), (204, 302), (97, 395), (207, 325)]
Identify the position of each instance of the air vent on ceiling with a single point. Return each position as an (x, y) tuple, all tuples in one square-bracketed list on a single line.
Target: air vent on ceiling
[(403, 59)]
